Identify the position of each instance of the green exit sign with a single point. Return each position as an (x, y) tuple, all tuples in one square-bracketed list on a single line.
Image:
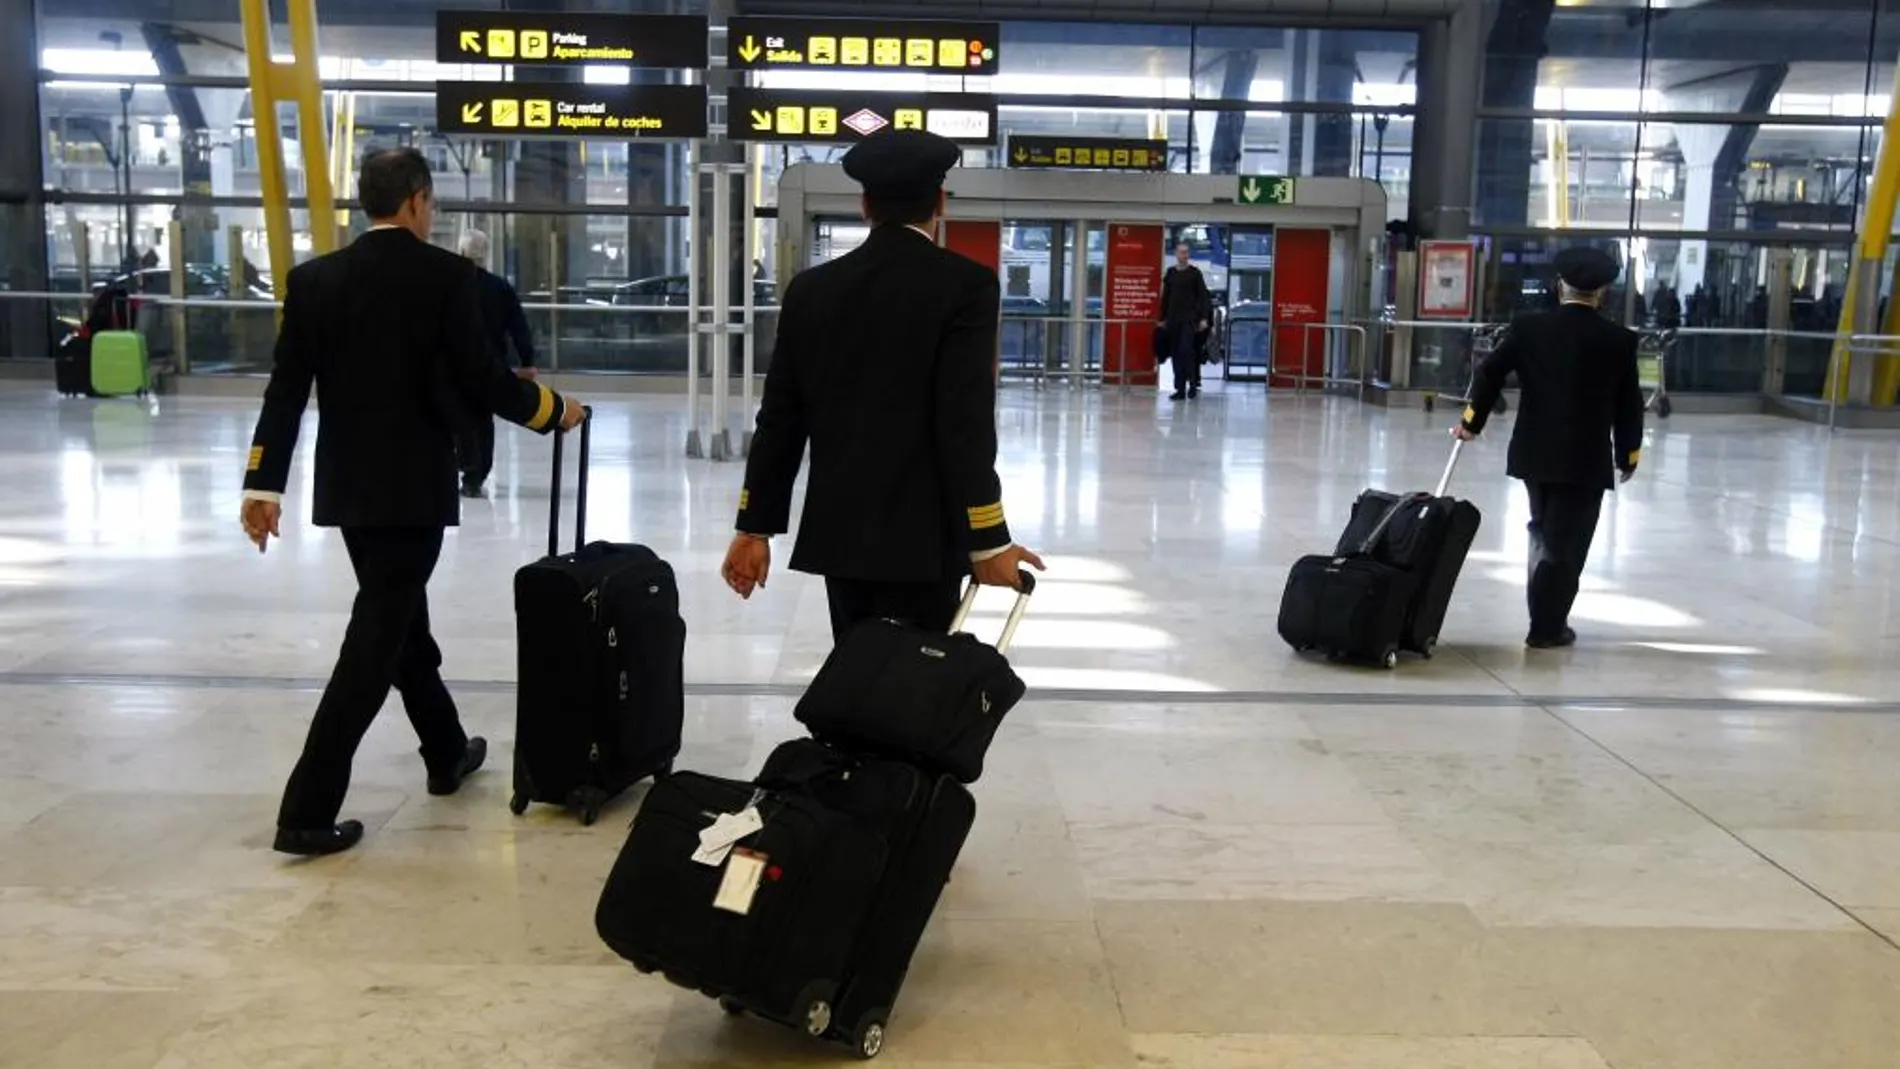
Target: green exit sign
[(1266, 189)]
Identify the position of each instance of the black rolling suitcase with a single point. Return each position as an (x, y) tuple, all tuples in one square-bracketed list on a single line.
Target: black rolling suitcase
[(837, 887), (914, 695), (1388, 585), (72, 365), (600, 695), (1428, 535)]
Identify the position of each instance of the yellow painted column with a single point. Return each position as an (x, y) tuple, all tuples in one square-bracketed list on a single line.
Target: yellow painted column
[(272, 83), (1876, 230), (270, 140)]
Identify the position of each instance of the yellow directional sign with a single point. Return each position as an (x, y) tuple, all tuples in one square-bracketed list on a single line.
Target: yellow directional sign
[(796, 115), (571, 38), (927, 45), (609, 112), (1093, 153)]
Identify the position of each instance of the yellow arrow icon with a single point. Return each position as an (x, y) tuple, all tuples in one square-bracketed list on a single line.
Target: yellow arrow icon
[(750, 50), (761, 122), (472, 113), (1022, 155), (472, 41)]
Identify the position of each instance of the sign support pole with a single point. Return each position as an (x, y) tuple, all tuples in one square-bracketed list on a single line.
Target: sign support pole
[(695, 448), (753, 255), (720, 263)]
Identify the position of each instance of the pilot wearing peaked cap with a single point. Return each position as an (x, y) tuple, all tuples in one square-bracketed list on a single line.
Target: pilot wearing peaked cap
[(885, 366), (901, 163), (1587, 270), (1580, 421)]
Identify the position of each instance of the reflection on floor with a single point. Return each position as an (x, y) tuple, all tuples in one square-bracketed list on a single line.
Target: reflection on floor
[(1675, 847)]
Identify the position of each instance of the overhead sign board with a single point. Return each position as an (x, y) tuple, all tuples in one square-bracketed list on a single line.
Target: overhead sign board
[(570, 39), (607, 112), (757, 43), (811, 115), (1087, 153), (1265, 189)]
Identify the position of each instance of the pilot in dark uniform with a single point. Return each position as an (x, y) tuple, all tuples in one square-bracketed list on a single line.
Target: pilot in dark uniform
[(1580, 420), (886, 365), (389, 330)]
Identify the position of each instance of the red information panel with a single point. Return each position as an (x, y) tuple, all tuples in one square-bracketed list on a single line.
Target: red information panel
[(1302, 263), (979, 239), (1133, 302)]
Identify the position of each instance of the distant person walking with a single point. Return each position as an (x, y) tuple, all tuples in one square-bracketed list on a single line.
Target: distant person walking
[(1186, 311), (504, 325)]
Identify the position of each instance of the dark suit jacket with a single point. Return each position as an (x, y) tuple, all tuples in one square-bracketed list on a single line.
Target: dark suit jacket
[(1581, 415), (390, 332), (886, 364), (504, 320), (1184, 296)]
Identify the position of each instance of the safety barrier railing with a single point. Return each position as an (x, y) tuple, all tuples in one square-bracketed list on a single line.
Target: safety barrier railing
[(1073, 349), (214, 335), (1347, 369)]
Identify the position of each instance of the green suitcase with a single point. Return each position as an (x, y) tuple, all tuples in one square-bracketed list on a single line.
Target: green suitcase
[(118, 363)]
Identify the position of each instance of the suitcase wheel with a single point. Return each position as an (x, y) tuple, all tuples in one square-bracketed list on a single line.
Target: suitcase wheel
[(818, 1019), (1501, 407), (518, 804), (732, 1006), (1663, 408), (1391, 659), (869, 1042), (1431, 646)]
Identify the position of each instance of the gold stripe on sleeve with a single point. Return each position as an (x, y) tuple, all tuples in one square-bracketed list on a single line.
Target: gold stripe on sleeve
[(1471, 414), (545, 411), (1636, 457), (986, 517), (257, 458), (745, 500)]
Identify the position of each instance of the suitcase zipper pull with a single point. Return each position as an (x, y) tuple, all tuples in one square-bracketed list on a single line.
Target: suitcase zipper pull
[(593, 753), (592, 601)]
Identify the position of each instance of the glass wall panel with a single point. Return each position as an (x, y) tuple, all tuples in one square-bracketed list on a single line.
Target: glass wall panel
[(1580, 175)]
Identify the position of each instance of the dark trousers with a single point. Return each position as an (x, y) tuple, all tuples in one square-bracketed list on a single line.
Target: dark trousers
[(387, 645), (929, 605), (1563, 524), (1185, 356), (476, 450)]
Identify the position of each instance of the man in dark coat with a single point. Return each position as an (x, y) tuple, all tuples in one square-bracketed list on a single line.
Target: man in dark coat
[(1580, 420), (886, 366), (506, 327), (389, 331), (1186, 310)]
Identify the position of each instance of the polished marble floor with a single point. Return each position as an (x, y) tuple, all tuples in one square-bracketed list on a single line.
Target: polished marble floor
[(1675, 847)]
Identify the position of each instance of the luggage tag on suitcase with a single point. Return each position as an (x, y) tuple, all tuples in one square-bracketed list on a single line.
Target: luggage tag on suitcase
[(744, 871), (718, 838)]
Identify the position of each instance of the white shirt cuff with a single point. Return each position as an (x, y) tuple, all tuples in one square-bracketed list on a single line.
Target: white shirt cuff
[(979, 555), (263, 495)]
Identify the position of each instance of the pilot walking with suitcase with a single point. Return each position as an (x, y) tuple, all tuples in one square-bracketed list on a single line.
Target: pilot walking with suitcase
[(505, 326), (1580, 421), (886, 365), (389, 331)]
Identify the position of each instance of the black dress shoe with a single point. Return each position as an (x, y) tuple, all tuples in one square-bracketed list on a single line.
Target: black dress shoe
[(319, 842), (1177, 396), (1194, 391), (471, 489), (472, 759), (1559, 641)]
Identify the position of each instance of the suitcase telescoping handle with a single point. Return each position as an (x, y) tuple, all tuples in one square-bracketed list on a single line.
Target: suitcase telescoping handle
[(1026, 585), (1451, 465), (580, 488), (1444, 483)]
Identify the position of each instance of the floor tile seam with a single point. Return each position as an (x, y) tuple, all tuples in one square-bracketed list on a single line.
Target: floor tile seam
[(1510, 699), (1891, 941)]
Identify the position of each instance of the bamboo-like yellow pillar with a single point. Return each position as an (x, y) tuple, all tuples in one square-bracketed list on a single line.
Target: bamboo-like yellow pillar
[(272, 83), (1876, 231)]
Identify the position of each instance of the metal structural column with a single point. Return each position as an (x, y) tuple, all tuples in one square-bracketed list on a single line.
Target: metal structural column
[(27, 325), (695, 442), (1446, 122), (1860, 302), (298, 82)]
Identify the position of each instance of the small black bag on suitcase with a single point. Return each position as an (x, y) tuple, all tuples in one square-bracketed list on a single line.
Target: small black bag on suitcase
[(1348, 607), (913, 695), (815, 922), (600, 692)]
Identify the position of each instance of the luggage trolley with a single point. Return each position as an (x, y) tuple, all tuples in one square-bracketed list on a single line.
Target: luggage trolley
[(1483, 343), (1652, 366)]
